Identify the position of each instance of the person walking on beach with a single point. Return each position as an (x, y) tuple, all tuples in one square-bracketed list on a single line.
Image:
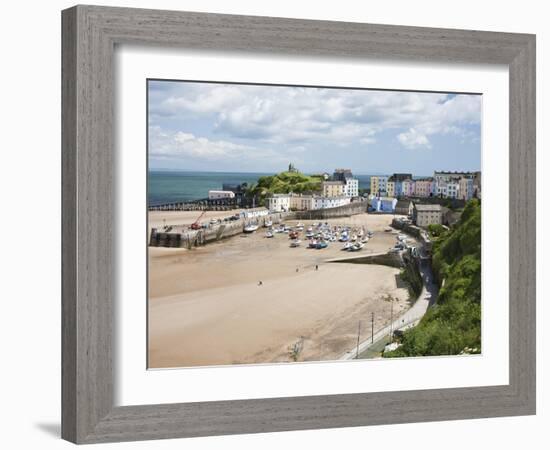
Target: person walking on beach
[(260, 283), (316, 267)]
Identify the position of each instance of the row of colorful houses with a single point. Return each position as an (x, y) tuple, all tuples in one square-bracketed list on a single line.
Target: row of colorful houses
[(458, 185)]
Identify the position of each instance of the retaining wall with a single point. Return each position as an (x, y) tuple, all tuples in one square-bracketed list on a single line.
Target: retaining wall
[(329, 213)]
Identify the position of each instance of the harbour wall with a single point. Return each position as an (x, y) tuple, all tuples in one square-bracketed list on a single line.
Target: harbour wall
[(329, 213), (195, 238), (382, 259)]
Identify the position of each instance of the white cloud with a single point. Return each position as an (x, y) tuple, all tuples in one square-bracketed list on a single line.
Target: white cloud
[(166, 145), (281, 116), (170, 144), (413, 139)]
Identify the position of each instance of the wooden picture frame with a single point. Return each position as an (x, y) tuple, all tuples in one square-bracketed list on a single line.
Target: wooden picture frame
[(90, 34)]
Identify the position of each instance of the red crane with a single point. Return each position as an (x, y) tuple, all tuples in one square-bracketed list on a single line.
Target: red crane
[(196, 225)]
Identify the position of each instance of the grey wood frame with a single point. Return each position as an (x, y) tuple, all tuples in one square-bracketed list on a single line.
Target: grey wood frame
[(89, 37)]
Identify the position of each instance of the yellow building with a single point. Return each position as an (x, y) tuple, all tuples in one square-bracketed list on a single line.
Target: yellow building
[(299, 202), (333, 188), (390, 188), (378, 184)]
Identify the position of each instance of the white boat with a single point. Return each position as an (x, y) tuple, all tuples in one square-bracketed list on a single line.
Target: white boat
[(347, 246), (269, 234), (295, 243), (250, 228), (356, 247), (268, 223)]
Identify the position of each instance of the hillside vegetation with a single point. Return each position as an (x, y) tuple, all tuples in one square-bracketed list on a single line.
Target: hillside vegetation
[(285, 182), (452, 326)]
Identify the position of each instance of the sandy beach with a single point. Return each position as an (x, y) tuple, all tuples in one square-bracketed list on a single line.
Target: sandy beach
[(206, 306)]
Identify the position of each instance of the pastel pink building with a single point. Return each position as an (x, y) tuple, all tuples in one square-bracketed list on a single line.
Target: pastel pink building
[(424, 187), (407, 187)]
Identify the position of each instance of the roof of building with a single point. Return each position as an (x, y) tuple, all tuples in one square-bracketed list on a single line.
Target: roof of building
[(278, 195), (427, 208), (403, 203), (334, 183), (400, 176)]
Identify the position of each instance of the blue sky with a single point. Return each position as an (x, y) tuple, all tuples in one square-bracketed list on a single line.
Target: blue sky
[(253, 128)]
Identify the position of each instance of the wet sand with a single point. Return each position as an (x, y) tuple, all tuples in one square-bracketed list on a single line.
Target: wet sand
[(207, 308)]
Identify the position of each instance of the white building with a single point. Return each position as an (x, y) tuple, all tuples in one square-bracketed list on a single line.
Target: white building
[(351, 188), (278, 202), (255, 212), (216, 195), (351, 185), (329, 202)]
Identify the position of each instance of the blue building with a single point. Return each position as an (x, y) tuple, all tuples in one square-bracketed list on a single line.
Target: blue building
[(383, 204)]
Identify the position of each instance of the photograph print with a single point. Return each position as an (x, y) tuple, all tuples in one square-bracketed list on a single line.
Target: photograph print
[(293, 224)]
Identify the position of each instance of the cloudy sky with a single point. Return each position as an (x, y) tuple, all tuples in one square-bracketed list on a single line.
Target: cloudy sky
[(251, 128)]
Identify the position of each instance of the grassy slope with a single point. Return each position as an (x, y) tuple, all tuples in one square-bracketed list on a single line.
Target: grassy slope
[(454, 324), (284, 183)]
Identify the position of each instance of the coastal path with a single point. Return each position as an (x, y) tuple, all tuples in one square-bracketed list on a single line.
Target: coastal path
[(411, 317)]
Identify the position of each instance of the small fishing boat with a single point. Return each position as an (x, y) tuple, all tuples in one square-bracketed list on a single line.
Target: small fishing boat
[(293, 234), (356, 247), (321, 244), (347, 246), (268, 223), (269, 234), (300, 226), (250, 228), (295, 243), (312, 244)]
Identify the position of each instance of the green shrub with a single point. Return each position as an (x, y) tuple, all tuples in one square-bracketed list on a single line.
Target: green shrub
[(454, 324)]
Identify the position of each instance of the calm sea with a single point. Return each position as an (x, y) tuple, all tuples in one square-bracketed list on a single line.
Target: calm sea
[(166, 186)]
